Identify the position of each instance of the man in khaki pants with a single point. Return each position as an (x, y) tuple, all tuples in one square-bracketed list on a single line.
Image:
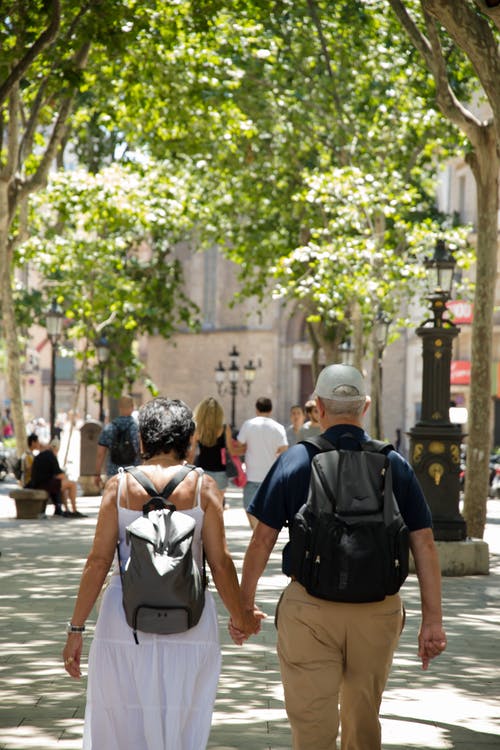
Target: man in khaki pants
[(335, 657)]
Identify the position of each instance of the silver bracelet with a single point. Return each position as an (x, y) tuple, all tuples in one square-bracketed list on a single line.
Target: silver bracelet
[(70, 628)]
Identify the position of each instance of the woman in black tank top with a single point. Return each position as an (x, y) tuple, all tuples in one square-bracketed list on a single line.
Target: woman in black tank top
[(210, 438)]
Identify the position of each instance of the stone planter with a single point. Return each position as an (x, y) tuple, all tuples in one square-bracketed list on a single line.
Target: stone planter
[(29, 503)]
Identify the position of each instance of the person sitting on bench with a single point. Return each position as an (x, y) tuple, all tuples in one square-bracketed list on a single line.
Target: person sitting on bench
[(47, 475)]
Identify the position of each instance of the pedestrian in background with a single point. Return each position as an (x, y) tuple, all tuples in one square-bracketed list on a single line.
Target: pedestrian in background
[(28, 457), (118, 443), (297, 418), (261, 439), (311, 426), (211, 438), (336, 653)]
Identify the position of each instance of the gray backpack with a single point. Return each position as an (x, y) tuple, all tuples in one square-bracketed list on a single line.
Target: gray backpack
[(163, 588), (349, 542)]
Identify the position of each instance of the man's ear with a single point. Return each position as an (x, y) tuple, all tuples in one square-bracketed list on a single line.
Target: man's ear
[(321, 407), (367, 404)]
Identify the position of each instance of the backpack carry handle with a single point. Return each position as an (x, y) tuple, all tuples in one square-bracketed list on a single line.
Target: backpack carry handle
[(156, 503)]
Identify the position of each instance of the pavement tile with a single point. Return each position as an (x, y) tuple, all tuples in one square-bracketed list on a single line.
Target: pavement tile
[(453, 705)]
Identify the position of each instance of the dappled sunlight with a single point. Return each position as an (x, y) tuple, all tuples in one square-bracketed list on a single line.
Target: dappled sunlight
[(35, 738), (453, 705)]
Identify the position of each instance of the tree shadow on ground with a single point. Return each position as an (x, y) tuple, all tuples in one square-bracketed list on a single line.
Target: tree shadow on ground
[(41, 707)]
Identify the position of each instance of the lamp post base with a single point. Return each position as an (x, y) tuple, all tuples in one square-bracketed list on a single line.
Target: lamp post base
[(435, 457), (469, 558)]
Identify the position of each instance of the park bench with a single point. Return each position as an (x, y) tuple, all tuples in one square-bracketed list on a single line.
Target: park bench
[(29, 503)]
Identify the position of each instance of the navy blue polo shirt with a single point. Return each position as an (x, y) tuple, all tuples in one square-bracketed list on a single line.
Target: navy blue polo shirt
[(285, 488)]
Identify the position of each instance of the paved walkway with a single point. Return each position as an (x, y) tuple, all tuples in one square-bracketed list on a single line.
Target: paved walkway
[(456, 704)]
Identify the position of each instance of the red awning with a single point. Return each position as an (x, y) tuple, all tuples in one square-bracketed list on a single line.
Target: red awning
[(460, 372), (461, 311)]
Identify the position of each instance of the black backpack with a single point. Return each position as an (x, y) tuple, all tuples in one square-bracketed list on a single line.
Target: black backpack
[(122, 450), (163, 588), (349, 542)]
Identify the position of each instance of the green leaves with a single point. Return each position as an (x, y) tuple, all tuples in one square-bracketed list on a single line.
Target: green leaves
[(103, 245)]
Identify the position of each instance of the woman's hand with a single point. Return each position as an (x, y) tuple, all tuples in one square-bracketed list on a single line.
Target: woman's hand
[(72, 654), (249, 624)]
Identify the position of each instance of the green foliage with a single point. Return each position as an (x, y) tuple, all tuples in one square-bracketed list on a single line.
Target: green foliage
[(308, 123), (304, 128), (103, 244)]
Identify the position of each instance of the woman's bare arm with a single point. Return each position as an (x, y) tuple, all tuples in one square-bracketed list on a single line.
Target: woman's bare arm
[(221, 563), (94, 573)]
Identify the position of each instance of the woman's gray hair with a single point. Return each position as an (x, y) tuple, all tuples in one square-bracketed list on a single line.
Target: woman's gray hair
[(348, 403)]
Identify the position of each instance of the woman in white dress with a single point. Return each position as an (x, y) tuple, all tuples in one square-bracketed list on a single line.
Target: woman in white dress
[(158, 695)]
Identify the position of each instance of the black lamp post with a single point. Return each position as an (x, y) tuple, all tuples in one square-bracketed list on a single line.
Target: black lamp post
[(346, 352), (381, 334), (54, 320), (102, 348), (233, 373), (434, 440)]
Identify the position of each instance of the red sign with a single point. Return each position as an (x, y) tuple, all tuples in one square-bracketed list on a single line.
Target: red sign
[(460, 372), (462, 312)]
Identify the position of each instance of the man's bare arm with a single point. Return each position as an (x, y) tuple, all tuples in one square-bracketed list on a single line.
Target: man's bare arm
[(260, 547), (431, 637)]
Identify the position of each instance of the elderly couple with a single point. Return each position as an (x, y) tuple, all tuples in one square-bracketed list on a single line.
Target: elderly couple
[(334, 657)]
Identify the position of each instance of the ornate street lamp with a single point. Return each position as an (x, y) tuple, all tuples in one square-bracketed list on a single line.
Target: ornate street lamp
[(346, 352), (233, 377), (434, 440), (102, 348), (54, 321)]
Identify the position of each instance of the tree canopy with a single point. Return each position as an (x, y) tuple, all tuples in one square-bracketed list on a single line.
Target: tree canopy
[(305, 127)]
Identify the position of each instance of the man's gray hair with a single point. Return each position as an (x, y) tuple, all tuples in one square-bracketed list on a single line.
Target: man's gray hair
[(348, 403)]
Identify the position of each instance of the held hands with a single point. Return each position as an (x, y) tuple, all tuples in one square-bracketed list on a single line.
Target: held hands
[(241, 629), (72, 653), (431, 642)]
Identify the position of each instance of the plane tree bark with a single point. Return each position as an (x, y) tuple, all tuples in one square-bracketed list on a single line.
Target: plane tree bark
[(466, 26)]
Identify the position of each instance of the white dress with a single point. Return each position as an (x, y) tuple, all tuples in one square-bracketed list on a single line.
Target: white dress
[(157, 695)]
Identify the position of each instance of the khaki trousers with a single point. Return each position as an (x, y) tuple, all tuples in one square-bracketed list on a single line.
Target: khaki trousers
[(334, 653)]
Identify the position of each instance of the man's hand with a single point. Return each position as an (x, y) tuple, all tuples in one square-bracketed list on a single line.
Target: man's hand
[(98, 481), (431, 642), (240, 631)]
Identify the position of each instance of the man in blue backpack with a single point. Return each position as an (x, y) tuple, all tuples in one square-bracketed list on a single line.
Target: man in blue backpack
[(118, 443), (335, 656)]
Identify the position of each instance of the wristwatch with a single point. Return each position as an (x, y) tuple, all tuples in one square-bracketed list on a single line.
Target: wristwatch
[(70, 628)]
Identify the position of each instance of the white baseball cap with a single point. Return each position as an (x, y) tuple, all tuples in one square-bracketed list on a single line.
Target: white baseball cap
[(334, 378)]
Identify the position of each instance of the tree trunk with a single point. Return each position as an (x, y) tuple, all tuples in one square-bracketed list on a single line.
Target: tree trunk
[(357, 337), (9, 323), (376, 422), (485, 164)]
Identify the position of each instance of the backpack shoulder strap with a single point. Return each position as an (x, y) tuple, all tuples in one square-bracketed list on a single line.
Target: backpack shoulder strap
[(177, 479), (143, 480), (148, 485), (377, 446), (320, 442)]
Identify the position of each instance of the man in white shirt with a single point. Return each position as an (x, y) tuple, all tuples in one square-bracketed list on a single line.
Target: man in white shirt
[(261, 439)]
